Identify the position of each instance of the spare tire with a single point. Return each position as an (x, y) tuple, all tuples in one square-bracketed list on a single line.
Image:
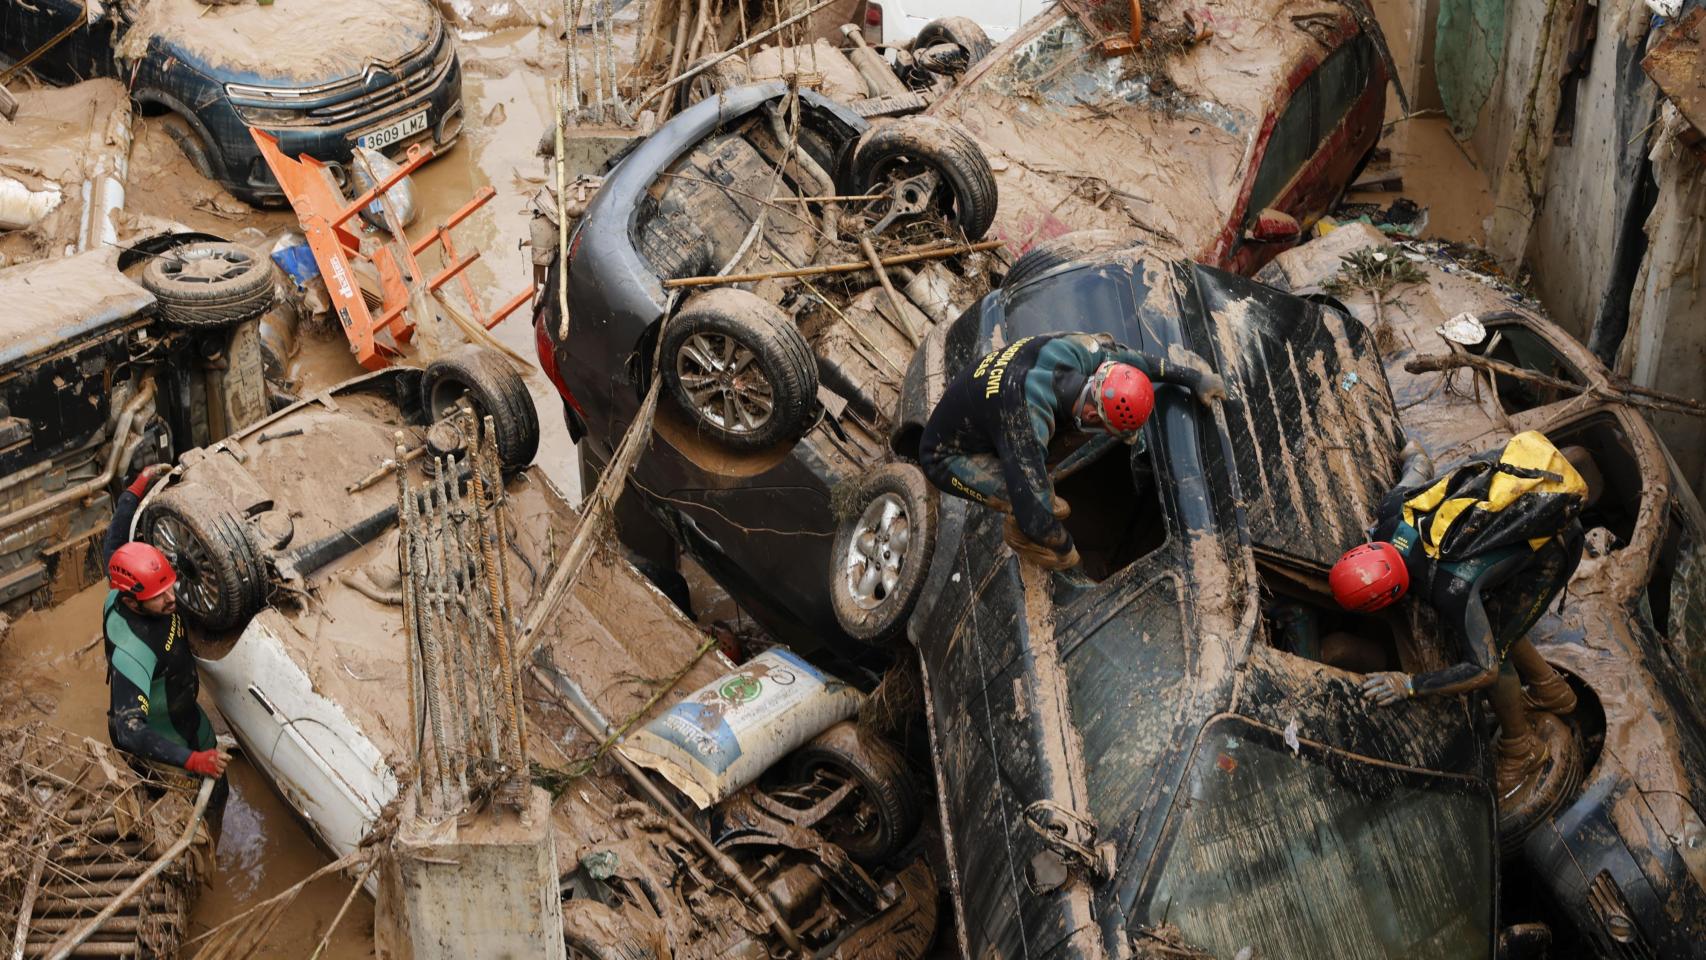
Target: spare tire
[(908, 146), (209, 284), (883, 790), (740, 370), (1065, 248), (221, 578), (881, 553), (962, 32), (493, 389)]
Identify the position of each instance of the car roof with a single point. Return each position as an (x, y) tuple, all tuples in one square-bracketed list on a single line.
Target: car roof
[(1174, 158), (50, 303)]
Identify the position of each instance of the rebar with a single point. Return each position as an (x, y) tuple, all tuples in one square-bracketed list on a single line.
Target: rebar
[(572, 15), (506, 635), (489, 543), (445, 482), (421, 563), (479, 629)]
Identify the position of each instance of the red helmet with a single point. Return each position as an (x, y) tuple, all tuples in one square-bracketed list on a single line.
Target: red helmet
[(1369, 577), (140, 570), (1124, 397)]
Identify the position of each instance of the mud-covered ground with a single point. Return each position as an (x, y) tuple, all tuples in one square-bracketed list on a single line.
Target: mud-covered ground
[(51, 667)]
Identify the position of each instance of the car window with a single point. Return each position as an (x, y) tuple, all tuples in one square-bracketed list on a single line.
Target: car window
[(1307, 852), (1115, 675), (1515, 343), (1676, 594), (1619, 503), (1314, 112)]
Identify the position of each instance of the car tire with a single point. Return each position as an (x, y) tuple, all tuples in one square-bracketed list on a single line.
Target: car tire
[(846, 751), (494, 390), (881, 552), (709, 344), (593, 931), (1065, 248), (188, 141), (962, 32), (221, 577), (720, 78), (201, 285), (907, 146)]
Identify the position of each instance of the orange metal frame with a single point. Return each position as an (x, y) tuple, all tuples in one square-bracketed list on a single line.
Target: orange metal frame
[(323, 213)]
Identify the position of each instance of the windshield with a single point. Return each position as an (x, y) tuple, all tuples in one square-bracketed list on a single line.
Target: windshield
[(1313, 853)]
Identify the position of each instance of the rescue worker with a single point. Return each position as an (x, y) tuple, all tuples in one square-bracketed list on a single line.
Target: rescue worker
[(1488, 544), (153, 716), (988, 439)]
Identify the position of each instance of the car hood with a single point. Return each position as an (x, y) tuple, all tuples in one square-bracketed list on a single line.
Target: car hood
[(295, 43)]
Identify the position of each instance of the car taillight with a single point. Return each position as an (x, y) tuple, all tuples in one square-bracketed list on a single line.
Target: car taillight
[(873, 14), (548, 362)]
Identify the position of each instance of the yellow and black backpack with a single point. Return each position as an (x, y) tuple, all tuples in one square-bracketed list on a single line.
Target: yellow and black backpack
[(1526, 492)]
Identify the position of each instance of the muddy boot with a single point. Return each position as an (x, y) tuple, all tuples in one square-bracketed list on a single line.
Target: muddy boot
[(1031, 551), (1551, 694), (1516, 768), (1060, 507)]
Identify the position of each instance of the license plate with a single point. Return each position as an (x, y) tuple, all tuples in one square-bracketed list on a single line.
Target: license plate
[(395, 133)]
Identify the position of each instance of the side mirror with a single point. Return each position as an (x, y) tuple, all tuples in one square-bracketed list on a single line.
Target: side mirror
[(1524, 941), (1274, 226)]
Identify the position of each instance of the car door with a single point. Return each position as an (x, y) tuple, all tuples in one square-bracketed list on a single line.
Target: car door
[(1314, 144)]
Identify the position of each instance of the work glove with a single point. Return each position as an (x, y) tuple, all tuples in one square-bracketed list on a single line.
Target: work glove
[(1209, 388), (1386, 688), (207, 763), (146, 478)]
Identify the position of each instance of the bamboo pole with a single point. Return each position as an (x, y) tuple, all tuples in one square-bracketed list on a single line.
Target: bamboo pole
[(849, 267)]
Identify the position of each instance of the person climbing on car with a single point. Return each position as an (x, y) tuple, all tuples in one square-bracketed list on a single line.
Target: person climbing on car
[(1488, 544), (987, 441), (153, 715)]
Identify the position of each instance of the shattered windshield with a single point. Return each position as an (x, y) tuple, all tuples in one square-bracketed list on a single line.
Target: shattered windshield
[(1313, 853), (1061, 65)]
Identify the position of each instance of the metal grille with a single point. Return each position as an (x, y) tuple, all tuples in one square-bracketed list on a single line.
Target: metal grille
[(1616, 933)]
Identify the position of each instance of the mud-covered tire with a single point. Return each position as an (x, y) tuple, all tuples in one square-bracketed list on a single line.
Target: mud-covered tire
[(210, 284), (1065, 248), (710, 349), (594, 931), (493, 389), (909, 145), (221, 577), (962, 32), (881, 552), (845, 750), (179, 131), (722, 77)]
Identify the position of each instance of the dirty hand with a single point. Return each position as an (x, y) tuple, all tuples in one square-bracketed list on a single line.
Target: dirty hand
[(1210, 388), (207, 763), (146, 478), (1387, 688)]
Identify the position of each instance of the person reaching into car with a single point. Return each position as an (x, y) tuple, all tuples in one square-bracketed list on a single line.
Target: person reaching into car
[(1489, 544), (153, 717), (987, 441)]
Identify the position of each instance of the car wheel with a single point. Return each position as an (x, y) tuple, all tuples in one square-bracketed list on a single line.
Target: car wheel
[(210, 284), (891, 156), (593, 931), (722, 77), (184, 135), (740, 370), (1065, 248), (962, 32), (221, 578), (883, 813), (493, 389), (882, 552)]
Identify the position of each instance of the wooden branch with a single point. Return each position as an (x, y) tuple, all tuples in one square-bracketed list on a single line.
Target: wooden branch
[(900, 313), (934, 253), (8, 104), (1446, 362)]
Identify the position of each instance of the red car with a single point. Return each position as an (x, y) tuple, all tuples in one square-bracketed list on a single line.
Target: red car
[(1222, 138)]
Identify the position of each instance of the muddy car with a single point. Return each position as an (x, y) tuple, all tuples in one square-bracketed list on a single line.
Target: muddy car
[(778, 391), (1619, 868), (1221, 137), (300, 505), (1138, 754), (102, 374), (323, 79)]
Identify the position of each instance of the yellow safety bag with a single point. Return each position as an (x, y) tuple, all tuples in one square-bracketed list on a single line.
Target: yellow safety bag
[(1525, 493)]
